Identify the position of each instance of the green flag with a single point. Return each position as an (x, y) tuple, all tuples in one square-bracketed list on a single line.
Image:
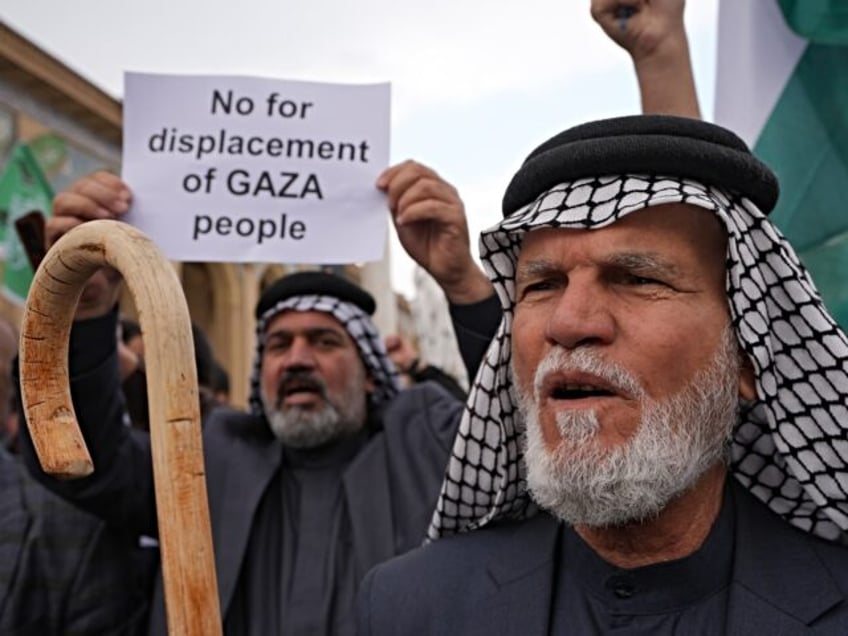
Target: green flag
[(819, 21), (23, 190), (783, 81)]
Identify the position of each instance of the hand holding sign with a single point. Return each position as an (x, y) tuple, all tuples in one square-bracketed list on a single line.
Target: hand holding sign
[(254, 170), (431, 225), (100, 195)]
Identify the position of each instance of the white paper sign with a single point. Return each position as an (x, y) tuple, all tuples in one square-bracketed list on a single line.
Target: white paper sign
[(244, 169)]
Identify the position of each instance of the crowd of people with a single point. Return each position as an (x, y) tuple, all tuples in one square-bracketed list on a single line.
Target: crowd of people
[(653, 441)]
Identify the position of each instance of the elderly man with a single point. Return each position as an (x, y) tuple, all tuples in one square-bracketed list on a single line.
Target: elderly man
[(655, 442), (334, 469)]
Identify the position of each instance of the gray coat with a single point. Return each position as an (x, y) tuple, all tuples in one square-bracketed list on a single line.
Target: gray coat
[(499, 580), (390, 487)]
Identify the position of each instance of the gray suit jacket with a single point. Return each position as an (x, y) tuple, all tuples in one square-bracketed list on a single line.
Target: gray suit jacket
[(499, 580), (390, 487)]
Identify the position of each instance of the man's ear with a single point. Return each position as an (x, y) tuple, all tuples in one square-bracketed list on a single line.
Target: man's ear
[(747, 379)]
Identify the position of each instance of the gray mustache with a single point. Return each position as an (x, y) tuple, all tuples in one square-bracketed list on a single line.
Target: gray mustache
[(299, 379)]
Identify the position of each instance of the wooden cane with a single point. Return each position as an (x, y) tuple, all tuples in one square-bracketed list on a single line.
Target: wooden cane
[(185, 538)]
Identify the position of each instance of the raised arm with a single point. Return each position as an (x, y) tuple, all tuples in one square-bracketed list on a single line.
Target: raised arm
[(430, 221), (652, 32)]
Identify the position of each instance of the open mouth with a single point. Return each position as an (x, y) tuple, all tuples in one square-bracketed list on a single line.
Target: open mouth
[(298, 390), (576, 386), (579, 392)]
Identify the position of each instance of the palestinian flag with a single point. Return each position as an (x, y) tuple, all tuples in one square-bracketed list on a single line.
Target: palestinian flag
[(782, 85), (25, 201)]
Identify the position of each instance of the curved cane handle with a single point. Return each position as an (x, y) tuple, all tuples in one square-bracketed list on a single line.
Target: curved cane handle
[(185, 537)]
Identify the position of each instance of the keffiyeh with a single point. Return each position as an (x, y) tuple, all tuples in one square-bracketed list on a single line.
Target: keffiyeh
[(356, 322), (790, 447)]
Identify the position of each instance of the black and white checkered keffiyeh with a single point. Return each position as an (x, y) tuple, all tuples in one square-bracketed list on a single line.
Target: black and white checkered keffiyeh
[(790, 448), (356, 322)]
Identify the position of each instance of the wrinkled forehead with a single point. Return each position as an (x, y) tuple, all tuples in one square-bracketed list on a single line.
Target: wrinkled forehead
[(596, 203), (665, 232)]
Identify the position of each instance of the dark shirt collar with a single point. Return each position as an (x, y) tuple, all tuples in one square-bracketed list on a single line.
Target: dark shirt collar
[(660, 587)]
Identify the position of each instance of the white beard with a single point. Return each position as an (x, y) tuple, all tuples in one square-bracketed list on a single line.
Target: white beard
[(678, 439)]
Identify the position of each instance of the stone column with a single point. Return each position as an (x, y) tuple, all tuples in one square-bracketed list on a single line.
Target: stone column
[(376, 278)]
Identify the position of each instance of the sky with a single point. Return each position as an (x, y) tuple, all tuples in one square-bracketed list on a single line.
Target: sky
[(475, 85)]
